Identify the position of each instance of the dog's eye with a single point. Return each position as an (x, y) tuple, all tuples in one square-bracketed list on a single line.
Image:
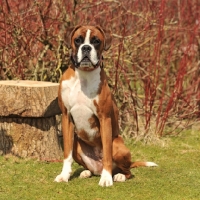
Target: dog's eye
[(95, 41), (78, 40)]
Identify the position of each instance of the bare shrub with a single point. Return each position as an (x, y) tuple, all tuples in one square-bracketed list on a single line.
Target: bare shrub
[(152, 66)]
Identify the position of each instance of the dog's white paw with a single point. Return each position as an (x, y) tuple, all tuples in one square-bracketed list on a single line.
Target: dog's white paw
[(66, 170), (106, 179), (63, 177), (119, 177), (85, 174)]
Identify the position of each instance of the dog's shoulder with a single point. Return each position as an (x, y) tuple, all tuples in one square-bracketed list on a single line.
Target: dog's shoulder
[(68, 73)]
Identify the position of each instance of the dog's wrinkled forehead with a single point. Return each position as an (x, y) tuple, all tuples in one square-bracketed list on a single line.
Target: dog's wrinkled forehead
[(87, 33)]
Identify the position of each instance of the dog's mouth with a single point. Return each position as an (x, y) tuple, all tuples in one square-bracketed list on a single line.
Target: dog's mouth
[(85, 61), (87, 65)]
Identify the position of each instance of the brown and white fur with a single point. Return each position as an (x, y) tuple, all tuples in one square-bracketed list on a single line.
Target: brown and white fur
[(88, 105)]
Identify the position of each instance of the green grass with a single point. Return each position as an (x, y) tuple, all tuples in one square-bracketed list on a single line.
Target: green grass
[(177, 177)]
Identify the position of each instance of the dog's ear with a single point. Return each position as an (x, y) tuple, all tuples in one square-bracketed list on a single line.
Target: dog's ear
[(107, 36), (69, 32)]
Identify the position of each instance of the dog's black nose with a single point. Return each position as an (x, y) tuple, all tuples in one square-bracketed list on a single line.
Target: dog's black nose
[(86, 49)]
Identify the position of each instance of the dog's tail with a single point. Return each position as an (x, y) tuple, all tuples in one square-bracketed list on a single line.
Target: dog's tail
[(143, 164)]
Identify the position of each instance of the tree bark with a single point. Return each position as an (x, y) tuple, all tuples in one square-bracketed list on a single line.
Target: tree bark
[(30, 137)]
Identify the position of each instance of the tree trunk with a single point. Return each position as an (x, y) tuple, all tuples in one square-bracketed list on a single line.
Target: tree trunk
[(28, 125)]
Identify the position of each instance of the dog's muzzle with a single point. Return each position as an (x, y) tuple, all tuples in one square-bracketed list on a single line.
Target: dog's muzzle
[(86, 62)]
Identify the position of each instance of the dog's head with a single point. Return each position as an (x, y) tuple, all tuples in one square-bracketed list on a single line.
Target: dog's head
[(87, 44)]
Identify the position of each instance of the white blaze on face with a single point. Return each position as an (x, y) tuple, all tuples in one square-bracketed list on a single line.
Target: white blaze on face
[(87, 37), (93, 53)]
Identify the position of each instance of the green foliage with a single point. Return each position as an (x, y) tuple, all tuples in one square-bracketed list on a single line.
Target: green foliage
[(176, 178)]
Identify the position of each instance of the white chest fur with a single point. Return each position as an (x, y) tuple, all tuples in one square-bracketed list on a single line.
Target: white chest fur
[(78, 95)]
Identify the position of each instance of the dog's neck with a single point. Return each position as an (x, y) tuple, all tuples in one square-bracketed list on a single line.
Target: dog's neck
[(89, 81)]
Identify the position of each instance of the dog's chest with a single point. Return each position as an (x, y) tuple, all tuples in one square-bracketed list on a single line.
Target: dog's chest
[(78, 95)]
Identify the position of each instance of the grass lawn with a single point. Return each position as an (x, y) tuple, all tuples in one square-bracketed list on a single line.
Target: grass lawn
[(177, 177)]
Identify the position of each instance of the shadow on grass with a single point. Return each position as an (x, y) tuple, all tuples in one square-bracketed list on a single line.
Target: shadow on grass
[(77, 172)]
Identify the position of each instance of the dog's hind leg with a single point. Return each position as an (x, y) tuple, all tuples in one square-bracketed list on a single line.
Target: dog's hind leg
[(77, 150), (122, 160), (87, 156), (77, 157), (85, 174)]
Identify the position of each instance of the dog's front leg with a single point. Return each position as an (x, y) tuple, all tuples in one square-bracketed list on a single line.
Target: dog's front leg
[(106, 136), (68, 139)]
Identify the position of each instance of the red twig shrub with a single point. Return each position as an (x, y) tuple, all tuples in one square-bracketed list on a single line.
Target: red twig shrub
[(153, 65)]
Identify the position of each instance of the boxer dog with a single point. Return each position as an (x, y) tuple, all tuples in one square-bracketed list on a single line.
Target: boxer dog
[(89, 112)]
